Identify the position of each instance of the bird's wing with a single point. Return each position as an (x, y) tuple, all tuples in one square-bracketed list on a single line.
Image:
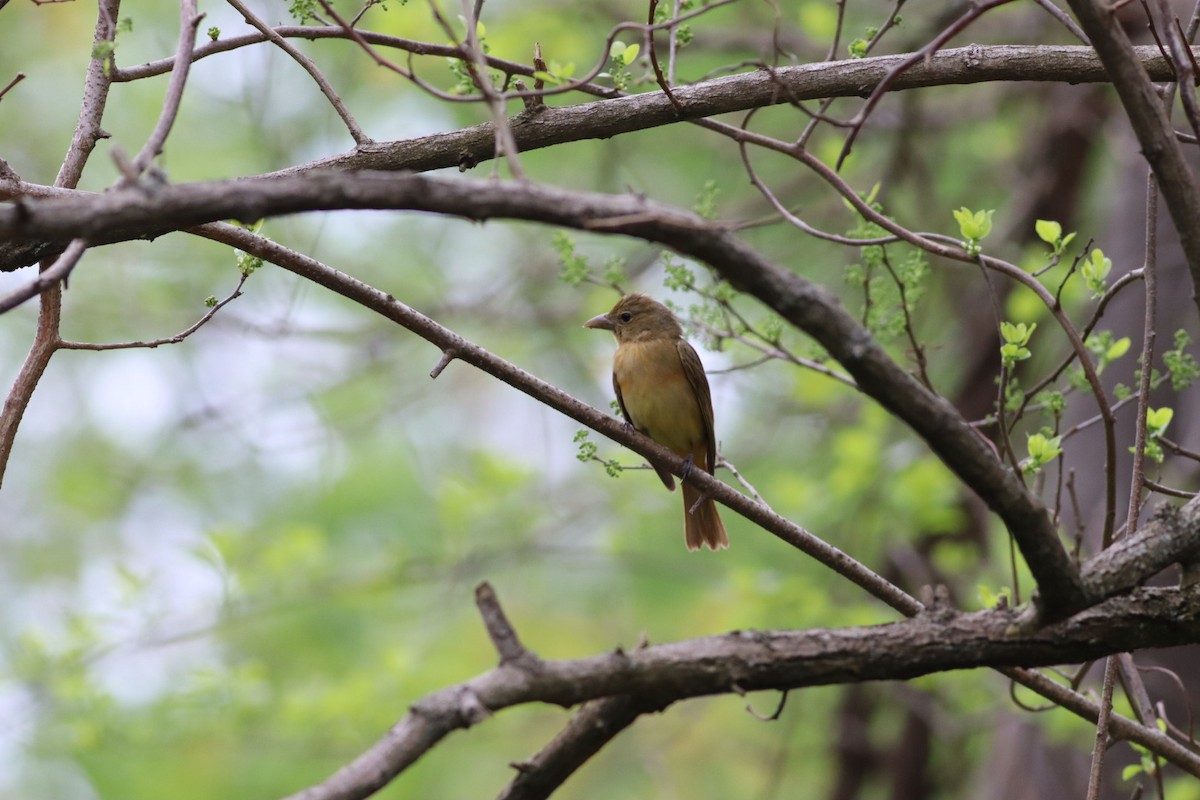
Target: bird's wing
[(694, 370), (621, 400)]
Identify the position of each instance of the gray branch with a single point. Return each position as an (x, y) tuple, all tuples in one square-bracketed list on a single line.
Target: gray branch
[(746, 661), (603, 119)]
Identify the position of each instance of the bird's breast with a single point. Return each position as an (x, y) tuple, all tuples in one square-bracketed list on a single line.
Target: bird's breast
[(657, 395)]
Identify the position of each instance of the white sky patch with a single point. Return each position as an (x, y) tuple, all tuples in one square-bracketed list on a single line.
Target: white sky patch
[(131, 395)]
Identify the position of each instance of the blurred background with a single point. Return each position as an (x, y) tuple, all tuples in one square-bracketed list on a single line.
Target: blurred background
[(231, 563)]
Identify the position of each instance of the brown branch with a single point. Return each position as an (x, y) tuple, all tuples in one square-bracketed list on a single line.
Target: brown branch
[(747, 661), (1172, 536), (848, 78), (1150, 270), (499, 629), (153, 343), (83, 142), (20, 76), (592, 727)]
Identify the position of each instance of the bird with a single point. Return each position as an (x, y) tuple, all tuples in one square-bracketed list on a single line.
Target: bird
[(662, 391)]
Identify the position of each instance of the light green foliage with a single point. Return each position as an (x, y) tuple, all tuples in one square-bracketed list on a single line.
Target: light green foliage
[(214, 33), (303, 11), (1182, 366), (1147, 764), (621, 56), (858, 46), (817, 19), (574, 267), (771, 328), (1015, 337), (679, 275), (614, 271), (464, 81), (706, 201), (1095, 271), (623, 53), (683, 32), (1043, 447), (889, 287), (993, 598), (558, 74), (1051, 233), (1106, 348), (246, 262), (1052, 401), (241, 580), (588, 452), (1157, 421), (974, 227)]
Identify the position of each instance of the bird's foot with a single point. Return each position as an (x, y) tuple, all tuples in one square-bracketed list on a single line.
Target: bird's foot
[(688, 465)]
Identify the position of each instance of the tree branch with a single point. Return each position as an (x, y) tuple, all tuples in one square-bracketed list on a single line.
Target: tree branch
[(746, 661)]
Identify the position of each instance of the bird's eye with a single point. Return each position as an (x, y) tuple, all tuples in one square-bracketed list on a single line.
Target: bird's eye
[(626, 316)]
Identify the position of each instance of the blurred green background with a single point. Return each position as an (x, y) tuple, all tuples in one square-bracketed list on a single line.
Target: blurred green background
[(230, 564)]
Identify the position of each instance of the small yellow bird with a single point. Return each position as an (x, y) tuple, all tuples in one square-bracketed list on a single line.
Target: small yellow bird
[(662, 391)]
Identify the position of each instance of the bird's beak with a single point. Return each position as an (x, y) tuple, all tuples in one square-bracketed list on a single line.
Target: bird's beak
[(602, 322)]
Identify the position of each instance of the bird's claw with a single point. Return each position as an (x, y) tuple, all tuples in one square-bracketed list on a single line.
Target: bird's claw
[(688, 465)]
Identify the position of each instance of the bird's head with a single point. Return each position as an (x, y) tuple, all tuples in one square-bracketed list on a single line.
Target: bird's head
[(638, 317)]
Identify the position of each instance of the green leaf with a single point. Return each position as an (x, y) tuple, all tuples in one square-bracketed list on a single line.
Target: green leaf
[(1119, 348), (1131, 771), (1017, 333), (1042, 450), (631, 53), (1048, 231), (974, 225), (1157, 420)]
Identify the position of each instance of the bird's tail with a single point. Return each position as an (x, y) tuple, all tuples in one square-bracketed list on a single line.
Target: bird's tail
[(702, 526)]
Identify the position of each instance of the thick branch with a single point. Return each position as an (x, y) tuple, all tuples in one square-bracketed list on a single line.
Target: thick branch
[(851, 78), (592, 727), (753, 660), (1171, 537), (811, 308)]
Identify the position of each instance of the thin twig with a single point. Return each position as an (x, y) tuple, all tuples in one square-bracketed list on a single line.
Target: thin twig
[(1148, 333), (189, 22), (20, 76), (499, 629), (153, 343), (1101, 745)]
